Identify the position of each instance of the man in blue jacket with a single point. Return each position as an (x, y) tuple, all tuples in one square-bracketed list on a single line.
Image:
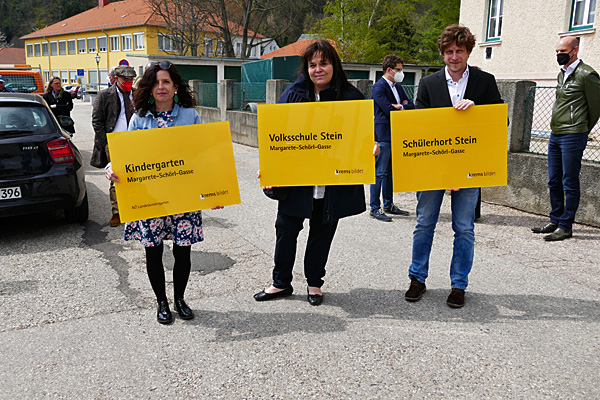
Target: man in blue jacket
[(388, 96)]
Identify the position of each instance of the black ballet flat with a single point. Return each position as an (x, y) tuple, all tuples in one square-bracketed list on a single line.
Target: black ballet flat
[(314, 299), (264, 296)]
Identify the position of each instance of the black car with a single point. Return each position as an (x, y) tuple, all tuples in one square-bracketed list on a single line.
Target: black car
[(40, 168)]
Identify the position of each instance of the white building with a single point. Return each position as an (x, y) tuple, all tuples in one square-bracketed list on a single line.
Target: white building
[(517, 39)]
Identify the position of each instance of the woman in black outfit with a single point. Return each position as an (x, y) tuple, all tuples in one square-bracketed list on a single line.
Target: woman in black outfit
[(59, 100), (322, 79)]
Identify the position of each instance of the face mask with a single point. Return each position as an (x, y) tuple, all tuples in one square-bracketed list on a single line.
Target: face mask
[(563, 58), (399, 76), (126, 86)]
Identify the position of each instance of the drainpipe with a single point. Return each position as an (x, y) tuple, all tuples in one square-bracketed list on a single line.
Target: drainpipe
[(49, 58), (107, 51)]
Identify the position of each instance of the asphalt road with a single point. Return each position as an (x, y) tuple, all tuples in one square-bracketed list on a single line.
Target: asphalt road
[(78, 314)]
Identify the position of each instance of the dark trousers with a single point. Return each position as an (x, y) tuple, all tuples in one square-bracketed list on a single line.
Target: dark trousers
[(564, 163), (320, 236)]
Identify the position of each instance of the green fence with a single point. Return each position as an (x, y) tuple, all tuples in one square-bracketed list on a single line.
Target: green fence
[(209, 95), (410, 90), (247, 95), (536, 130)]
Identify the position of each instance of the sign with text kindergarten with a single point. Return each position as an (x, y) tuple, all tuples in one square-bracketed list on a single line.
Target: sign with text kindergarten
[(443, 148), (319, 143), (167, 171)]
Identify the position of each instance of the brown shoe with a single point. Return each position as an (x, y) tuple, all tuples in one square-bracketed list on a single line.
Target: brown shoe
[(115, 220), (456, 299), (415, 290)]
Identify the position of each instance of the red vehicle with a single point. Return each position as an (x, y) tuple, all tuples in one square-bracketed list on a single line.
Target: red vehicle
[(75, 90)]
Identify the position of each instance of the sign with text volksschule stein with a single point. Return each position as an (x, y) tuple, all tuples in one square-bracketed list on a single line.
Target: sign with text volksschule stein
[(442, 148), (173, 170), (319, 143)]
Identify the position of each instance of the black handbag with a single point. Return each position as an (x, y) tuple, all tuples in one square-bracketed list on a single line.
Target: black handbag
[(277, 193)]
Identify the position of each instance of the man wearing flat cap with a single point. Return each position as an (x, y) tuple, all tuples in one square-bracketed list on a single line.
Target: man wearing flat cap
[(113, 109)]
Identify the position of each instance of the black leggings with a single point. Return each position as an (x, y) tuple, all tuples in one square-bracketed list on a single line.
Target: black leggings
[(156, 272)]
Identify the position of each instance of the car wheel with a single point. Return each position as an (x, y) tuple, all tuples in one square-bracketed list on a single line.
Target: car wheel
[(78, 214)]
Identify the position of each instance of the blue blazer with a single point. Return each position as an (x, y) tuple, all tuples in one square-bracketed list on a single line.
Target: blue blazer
[(383, 98)]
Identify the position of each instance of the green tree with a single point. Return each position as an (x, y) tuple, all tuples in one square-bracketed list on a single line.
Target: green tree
[(431, 18)]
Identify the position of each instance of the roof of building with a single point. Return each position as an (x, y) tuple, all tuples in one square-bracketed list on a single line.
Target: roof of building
[(293, 49), (114, 15), (12, 55)]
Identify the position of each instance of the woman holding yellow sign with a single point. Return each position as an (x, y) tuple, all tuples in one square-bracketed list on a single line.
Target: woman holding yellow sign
[(163, 99), (322, 79)]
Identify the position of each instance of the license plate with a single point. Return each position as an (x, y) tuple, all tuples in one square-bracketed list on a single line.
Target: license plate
[(10, 193)]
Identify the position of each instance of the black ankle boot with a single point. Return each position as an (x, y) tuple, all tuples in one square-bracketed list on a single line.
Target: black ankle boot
[(184, 311), (163, 314)]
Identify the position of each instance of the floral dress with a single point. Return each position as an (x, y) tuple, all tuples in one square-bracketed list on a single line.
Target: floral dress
[(183, 229)]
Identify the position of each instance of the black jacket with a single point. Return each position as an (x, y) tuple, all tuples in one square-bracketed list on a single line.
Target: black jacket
[(64, 102), (340, 200)]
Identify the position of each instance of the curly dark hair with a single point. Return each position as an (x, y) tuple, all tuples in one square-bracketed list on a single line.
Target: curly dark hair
[(390, 61), (141, 96), (339, 80), (456, 33)]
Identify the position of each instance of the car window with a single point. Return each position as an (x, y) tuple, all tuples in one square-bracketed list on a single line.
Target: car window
[(33, 119), (20, 83)]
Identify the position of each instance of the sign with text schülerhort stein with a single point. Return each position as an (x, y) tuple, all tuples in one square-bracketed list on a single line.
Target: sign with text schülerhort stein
[(318, 143), (443, 148), (167, 171)]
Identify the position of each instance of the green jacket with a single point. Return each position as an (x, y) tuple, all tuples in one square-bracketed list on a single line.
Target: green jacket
[(577, 105)]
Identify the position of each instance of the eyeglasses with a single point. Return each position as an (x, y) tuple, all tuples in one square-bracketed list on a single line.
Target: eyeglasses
[(162, 65)]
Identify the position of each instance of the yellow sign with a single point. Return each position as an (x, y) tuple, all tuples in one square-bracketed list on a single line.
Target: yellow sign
[(319, 143), (173, 170), (442, 148)]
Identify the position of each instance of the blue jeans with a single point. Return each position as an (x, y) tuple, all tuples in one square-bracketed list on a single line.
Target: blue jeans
[(463, 217), (564, 163), (383, 177)]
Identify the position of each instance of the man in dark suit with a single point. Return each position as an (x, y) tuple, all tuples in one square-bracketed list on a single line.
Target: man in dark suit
[(388, 96), (113, 109), (460, 86)]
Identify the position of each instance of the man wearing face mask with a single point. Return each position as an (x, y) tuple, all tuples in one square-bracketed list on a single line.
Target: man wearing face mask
[(113, 109), (388, 96), (576, 110)]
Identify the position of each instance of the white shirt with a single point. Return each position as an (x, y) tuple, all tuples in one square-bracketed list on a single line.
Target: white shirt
[(318, 191), (121, 125), (569, 70), (457, 89), (393, 86)]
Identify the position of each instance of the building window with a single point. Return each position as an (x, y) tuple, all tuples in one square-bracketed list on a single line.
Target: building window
[(138, 41), (495, 20), (126, 42), (46, 76), (91, 42), (220, 47), (38, 49), (209, 48), (114, 43), (102, 44), (582, 15), (62, 47), (54, 48), (29, 50), (45, 49), (64, 76), (238, 49), (72, 46), (254, 51), (165, 43), (81, 45), (72, 76)]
